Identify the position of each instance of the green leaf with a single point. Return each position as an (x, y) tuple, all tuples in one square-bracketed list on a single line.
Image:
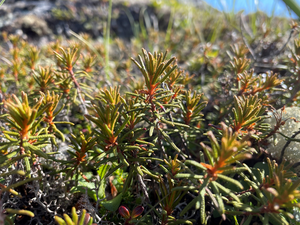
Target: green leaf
[(293, 6), (90, 221), (43, 109), (58, 111), (202, 205), (185, 188), (248, 220), (196, 164), (266, 219), (190, 205), (20, 212), (9, 160), (220, 206), (188, 175), (122, 126), (113, 205), (82, 217), (169, 140), (36, 150), (236, 222), (83, 184), (74, 215), (41, 136), (20, 183), (103, 170), (231, 180), (68, 219), (20, 172), (227, 191), (27, 167), (59, 220)]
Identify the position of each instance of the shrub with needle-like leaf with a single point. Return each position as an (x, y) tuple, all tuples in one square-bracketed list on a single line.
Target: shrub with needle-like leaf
[(44, 78), (67, 60), (251, 84), (276, 194), (107, 120), (81, 157), (222, 157), (239, 50), (157, 144), (221, 163), (248, 114), (156, 70), (33, 55), (25, 119), (192, 107), (169, 198), (240, 65), (53, 99)]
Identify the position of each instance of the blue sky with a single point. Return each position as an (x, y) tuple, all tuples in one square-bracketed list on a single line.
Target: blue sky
[(252, 5)]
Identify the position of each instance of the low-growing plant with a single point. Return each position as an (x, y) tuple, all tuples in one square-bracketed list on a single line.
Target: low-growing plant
[(85, 219), (140, 140)]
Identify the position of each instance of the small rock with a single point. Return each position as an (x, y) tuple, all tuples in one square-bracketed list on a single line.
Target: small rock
[(277, 142), (32, 25)]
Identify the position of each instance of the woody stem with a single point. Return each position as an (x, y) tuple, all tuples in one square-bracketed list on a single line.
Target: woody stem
[(78, 91)]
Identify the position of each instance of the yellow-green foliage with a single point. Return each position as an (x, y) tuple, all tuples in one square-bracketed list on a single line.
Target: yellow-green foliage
[(148, 134)]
